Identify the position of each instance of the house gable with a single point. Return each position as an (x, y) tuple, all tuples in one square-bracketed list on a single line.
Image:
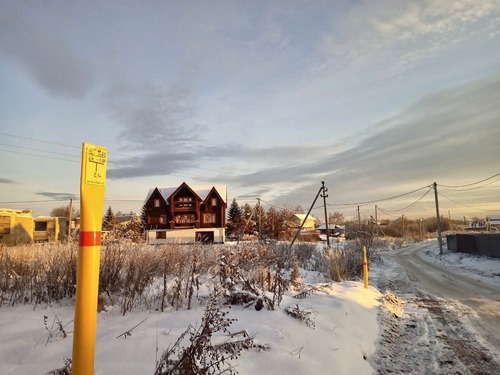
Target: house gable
[(156, 207), (213, 209)]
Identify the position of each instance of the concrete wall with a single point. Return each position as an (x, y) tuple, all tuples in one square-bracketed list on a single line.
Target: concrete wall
[(185, 236)]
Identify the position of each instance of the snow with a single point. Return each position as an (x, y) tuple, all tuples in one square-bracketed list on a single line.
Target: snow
[(344, 340)]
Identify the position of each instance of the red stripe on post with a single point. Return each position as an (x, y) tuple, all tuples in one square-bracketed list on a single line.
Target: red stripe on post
[(90, 238)]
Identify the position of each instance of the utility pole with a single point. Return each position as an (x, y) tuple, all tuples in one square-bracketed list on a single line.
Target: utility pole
[(322, 188), (258, 220), (324, 195), (359, 220), (403, 225), (70, 218), (438, 219), (376, 221)]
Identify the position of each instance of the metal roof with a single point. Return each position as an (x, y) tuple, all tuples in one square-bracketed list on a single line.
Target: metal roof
[(201, 190)]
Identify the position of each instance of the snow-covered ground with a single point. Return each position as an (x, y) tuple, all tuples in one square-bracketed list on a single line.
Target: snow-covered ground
[(352, 330)]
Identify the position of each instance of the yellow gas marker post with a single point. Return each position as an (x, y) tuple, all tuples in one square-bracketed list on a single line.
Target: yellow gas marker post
[(92, 184), (365, 268)]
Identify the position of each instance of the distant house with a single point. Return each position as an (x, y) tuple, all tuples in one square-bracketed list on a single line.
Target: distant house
[(186, 214), (19, 227), (334, 231), (125, 217), (309, 224), (493, 222), (16, 226), (50, 229)]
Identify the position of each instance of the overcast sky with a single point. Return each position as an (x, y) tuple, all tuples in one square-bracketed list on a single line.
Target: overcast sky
[(376, 98)]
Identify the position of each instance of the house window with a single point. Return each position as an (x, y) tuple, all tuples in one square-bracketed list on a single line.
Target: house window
[(163, 219), (184, 202), (184, 219), (40, 226), (214, 202), (154, 220), (157, 203), (161, 235), (209, 218)]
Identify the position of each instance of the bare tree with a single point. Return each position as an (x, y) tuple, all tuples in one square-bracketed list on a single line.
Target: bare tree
[(63, 211)]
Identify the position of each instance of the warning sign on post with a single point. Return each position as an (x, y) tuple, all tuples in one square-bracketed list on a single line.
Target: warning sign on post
[(95, 164)]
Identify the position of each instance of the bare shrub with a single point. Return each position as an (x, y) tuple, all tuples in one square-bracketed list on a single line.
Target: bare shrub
[(139, 271), (303, 315), (343, 264), (37, 273), (113, 259), (295, 276), (65, 370), (254, 269), (169, 261), (56, 329), (202, 356)]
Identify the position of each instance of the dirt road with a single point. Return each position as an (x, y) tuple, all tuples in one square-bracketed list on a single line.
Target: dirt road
[(450, 324)]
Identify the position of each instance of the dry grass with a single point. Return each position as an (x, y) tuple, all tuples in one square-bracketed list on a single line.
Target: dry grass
[(140, 276)]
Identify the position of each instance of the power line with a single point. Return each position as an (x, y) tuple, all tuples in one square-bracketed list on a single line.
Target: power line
[(39, 156), (464, 205), (272, 205), (38, 150), (477, 187), (38, 140), (410, 205), (53, 143), (44, 201), (471, 184), (387, 213), (77, 156), (381, 199)]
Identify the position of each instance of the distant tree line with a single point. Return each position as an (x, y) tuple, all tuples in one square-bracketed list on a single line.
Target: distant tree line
[(255, 221)]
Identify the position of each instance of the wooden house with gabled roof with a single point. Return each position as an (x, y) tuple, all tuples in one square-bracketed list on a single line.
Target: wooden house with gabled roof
[(186, 213)]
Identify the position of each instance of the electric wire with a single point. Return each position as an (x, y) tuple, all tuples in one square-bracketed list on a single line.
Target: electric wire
[(77, 156), (412, 204), (387, 213), (39, 156), (381, 199), (463, 205), (471, 184), (477, 187), (38, 150), (272, 205), (456, 187)]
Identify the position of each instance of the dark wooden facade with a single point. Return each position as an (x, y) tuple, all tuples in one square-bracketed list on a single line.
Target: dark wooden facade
[(184, 208)]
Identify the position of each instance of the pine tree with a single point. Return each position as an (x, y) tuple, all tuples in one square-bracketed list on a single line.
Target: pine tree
[(144, 218), (108, 222), (235, 219), (234, 211)]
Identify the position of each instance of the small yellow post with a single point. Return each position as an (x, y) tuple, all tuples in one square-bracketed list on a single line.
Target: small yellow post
[(92, 185), (365, 268)]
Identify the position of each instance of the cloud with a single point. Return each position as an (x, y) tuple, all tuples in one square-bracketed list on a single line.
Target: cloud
[(435, 139), (404, 33), (153, 116), (47, 58), (6, 181), (57, 196), (162, 162)]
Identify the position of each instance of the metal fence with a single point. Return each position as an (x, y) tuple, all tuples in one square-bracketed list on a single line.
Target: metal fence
[(480, 244)]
